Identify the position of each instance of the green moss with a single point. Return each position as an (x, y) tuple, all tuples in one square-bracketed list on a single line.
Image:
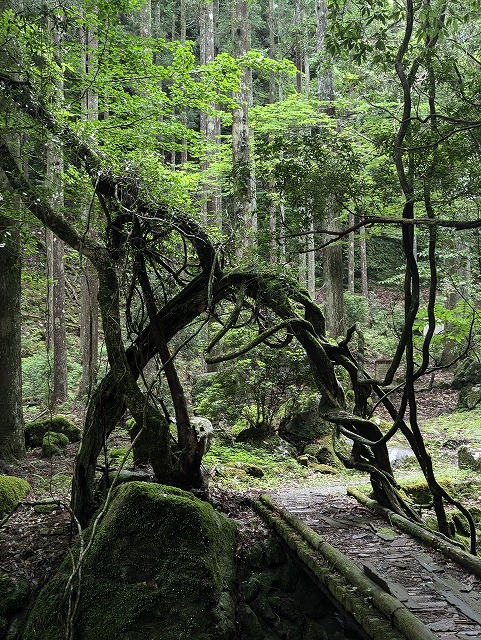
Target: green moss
[(13, 595), (475, 514), (323, 451), (54, 444), (468, 460), (117, 455), (160, 568), (35, 431), (12, 491), (419, 492)]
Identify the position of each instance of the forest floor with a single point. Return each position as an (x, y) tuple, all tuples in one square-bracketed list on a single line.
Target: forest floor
[(35, 538)]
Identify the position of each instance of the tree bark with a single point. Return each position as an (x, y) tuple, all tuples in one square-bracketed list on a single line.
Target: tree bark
[(351, 270), (89, 311), (55, 261), (209, 124), (89, 335), (244, 188), (56, 306), (12, 442), (333, 286)]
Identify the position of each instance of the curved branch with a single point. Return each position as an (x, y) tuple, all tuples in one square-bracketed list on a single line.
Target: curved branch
[(254, 343)]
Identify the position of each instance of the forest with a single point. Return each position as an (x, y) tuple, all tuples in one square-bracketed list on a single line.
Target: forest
[(220, 219)]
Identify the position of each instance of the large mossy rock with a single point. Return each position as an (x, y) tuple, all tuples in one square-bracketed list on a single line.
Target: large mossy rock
[(468, 374), (304, 427), (161, 567), (35, 431), (12, 491), (469, 459), (469, 397), (54, 444), (14, 594)]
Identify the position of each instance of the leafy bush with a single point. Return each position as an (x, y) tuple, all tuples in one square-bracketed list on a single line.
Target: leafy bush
[(356, 309), (253, 391), (37, 374), (35, 378)]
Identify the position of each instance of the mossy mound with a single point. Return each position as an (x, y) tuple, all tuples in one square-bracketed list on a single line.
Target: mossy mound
[(469, 459), (13, 598), (35, 431), (54, 444), (419, 492), (323, 450), (12, 491), (468, 374), (161, 568)]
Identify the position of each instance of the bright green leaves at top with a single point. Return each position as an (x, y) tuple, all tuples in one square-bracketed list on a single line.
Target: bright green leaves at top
[(362, 29), (301, 149)]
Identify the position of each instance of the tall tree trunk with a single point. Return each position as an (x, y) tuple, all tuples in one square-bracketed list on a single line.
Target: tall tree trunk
[(55, 264), (209, 124), (56, 308), (333, 290), (89, 311), (310, 228), (363, 263), (244, 188), (273, 205), (89, 329), (333, 286), (12, 442), (351, 271), (454, 267)]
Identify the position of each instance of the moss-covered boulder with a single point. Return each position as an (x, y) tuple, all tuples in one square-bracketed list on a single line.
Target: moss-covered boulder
[(305, 427), (54, 444), (323, 450), (161, 567), (12, 491), (14, 595), (35, 431), (468, 374), (469, 397), (469, 459)]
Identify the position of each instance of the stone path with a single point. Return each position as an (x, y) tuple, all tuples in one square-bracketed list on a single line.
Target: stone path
[(443, 595)]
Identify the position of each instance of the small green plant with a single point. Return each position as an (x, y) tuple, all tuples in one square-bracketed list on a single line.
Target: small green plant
[(36, 371), (356, 309), (253, 391)]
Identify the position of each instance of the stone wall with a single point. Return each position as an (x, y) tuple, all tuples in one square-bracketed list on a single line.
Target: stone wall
[(278, 599)]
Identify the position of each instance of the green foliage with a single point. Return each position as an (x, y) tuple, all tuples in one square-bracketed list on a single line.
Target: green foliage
[(356, 309), (272, 456), (36, 371), (303, 152), (254, 390), (12, 491)]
